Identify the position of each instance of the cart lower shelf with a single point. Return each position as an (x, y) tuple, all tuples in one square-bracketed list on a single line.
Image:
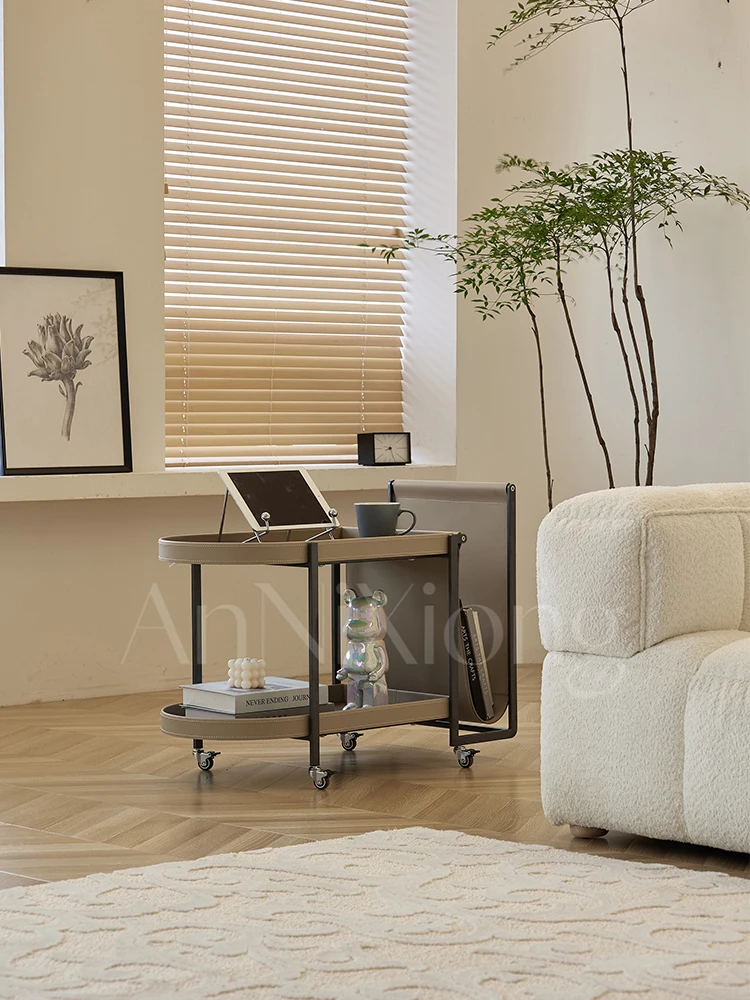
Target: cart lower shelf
[(403, 707)]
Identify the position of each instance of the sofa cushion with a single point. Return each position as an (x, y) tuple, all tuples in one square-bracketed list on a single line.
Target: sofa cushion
[(717, 750), (613, 735), (621, 570), (745, 526), (693, 574)]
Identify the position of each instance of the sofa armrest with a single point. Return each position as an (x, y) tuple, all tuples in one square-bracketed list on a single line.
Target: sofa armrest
[(621, 570)]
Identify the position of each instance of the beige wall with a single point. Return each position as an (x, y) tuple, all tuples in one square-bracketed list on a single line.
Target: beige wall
[(566, 105), (84, 166), (86, 609), (84, 189)]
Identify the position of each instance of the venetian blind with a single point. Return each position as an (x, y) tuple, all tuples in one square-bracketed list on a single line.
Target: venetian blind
[(285, 150)]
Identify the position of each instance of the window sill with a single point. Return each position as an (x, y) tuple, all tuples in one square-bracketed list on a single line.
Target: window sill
[(189, 483)]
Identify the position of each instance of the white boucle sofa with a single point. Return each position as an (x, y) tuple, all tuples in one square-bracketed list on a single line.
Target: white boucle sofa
[(644, 603)]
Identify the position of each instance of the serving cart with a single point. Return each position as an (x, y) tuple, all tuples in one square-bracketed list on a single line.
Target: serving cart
[(344, 547)]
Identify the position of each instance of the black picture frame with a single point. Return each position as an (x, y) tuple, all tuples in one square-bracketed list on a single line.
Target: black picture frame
[(117, 278)]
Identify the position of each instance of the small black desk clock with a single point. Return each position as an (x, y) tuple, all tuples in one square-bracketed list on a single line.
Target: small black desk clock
[(384, 448)]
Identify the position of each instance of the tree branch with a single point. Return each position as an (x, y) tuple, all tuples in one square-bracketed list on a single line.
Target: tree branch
[(542, 402), (582, 371), (626, 361), (631, 329)]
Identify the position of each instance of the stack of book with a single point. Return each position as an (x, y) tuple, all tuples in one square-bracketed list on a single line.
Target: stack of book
[(280, 695), (476, 664)]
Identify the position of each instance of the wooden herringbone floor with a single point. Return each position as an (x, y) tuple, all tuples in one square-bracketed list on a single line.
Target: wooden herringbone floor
[(92, 786)]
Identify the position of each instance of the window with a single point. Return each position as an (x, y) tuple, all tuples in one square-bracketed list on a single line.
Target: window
[(286, 148)]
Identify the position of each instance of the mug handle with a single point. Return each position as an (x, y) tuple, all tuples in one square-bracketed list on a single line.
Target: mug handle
[(413, 524)]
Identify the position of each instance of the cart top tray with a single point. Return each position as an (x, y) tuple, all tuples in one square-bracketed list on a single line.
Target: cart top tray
[(290, 548)]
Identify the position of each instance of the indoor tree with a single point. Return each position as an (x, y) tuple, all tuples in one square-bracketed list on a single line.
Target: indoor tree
[(501, 264), (503, 261), (602, 212), (550, 21), (525, 241), (587, 210)]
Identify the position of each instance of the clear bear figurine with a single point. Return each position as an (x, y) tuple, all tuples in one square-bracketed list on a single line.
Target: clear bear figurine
[(366, 658)]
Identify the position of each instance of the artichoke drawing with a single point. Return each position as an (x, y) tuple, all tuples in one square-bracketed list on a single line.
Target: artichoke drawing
[(58, 355)]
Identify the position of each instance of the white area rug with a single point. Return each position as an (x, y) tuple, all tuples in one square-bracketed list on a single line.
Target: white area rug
[(408, 914)]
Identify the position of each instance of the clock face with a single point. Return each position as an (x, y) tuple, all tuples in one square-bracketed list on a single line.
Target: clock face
[(392, 449)]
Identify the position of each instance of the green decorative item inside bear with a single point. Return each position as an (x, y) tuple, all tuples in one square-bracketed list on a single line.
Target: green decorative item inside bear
[(366, 658)]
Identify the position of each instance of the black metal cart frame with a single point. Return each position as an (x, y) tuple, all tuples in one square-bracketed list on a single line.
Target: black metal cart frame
[(461, 735)]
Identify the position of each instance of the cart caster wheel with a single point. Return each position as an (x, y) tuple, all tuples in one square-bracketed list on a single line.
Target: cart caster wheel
[(205, 758), (349, 740), (320, 778), (465, 757)]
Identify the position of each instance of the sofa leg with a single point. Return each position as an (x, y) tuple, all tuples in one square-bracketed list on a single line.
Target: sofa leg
[(587, 832)]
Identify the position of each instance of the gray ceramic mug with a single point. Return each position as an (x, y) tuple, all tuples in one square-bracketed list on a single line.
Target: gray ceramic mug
[(375, 519)]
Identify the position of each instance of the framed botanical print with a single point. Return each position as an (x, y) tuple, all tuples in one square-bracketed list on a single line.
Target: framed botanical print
[(64, 404)]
